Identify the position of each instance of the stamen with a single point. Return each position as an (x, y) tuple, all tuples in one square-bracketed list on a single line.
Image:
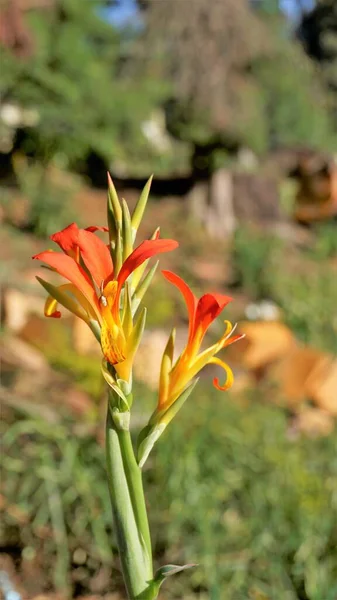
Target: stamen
[(102, 298)]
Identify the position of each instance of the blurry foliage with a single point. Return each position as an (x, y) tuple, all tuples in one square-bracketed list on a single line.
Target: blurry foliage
[(85, 101), (211, 71), (56, 479), (251, 255), (325, 245), (206, 54), (58, 348), (294, 102), (247, 503), (160, 302), (239, 76), (256, 511), (49, 203), (265, 267)]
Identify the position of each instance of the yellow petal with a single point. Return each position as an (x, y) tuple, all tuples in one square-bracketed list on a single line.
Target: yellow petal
[(60, 295), (166, 366), (113, 343), (229, 373)]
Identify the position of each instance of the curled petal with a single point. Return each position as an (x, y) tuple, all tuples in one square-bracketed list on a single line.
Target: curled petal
[(203, 358), (50, 308), (59, 295), (229, 374), (233, 339), (225, 338)]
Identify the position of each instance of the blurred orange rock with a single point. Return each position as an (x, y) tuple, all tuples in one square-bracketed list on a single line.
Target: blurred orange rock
[(301, 373), (17, 306), (266, 342), (18, 353), (322, 385), (293, 371)]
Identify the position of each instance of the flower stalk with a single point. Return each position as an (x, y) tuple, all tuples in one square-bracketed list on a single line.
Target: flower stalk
[(128, 507)]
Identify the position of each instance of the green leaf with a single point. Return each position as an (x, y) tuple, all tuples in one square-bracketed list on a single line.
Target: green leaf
[(127, 233), (169, 570), (161, 575), (157, 425), (115, 212), (140, 207), (146, 440)]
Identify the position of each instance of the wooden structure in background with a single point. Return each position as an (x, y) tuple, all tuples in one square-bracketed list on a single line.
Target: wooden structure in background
[(316, 197)]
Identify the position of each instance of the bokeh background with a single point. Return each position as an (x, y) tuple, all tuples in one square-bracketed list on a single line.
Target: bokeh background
[(232, 105)]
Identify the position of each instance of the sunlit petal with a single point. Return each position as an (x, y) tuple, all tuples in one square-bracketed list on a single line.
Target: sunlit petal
[(229, 374)]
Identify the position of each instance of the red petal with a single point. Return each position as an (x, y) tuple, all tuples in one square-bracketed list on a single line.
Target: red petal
[(95, 255), (144, 251), (209, 307), (93, 228), (232, 340), (190, 299), (71, 270), (67, 239)]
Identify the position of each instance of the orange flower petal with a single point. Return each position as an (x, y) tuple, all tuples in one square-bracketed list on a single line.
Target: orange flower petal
[(95, 255), (67, 239), (144, 251), (71, 270), (208, 309), (190, 299), (94, 228)]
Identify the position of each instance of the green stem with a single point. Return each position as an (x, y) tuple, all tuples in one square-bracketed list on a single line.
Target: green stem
[(129, 512)]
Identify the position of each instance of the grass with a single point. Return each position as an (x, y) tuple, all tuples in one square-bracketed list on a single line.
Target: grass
[(226, 489), (302, 282)]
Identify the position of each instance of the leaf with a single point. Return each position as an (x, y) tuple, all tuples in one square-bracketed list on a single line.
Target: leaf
[(169, 570), (160, 577)]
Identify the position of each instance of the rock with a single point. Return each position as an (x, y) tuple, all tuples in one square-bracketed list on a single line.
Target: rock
[(322, 385), (292, 373), (17, 306), (266, 341), (18, 353)]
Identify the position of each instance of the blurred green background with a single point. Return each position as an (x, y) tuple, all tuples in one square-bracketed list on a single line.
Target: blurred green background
[(206, 95)]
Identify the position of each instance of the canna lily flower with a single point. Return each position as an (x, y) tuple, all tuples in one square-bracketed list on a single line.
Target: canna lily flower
[(174, 379), (178, 380), (94, 289)]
